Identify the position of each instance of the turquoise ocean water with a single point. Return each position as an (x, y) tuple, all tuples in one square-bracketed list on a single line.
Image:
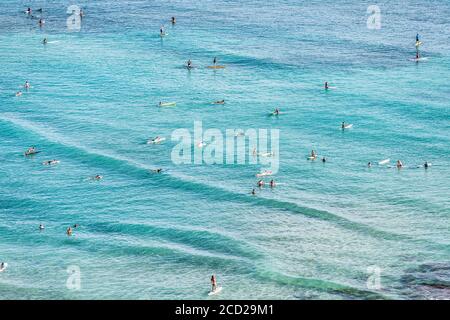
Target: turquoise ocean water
[(146, 236)]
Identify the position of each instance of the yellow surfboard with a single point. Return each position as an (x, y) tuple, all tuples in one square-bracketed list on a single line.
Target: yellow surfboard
[(216, 67)]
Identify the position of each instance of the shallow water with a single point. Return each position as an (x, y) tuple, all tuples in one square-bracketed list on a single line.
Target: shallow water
[(147, 236)]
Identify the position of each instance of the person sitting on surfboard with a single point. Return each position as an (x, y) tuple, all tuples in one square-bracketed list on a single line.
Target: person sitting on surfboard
[(276, 112), (215, 61), (173, 20), (27, 85), (272, 183), (426, 165), (2, 266), (326, 85), (161, 30), (313, 154), (343, 125), (69, 231), (324, 159), (189, 64), (29, 11), (369, 165), (41, 227), (260, 183), (45, 41), (213, 283), (253, 192), (399, 164)]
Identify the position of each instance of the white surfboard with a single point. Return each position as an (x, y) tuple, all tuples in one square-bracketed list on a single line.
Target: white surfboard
[(218, 289), (384, 161)]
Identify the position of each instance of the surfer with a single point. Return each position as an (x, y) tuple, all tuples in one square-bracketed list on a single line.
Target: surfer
[(272, 183), (29, 11), (159, 170), (326, 85), (426, 165), (369, 164), (399, 164), (219, 102), (98, 177), (324, 159), (343, 125), (313, 154), (215, 61), (69, 231), (18, 93), (45, 41), (30, 151), (213, 283), (276, 112), (260, 183), (27, 85), (161, 31), (253, 192), (41, 22), (2, 266), (189, 64), (417, 37), (173, 20), (41, 227), (81, 13)]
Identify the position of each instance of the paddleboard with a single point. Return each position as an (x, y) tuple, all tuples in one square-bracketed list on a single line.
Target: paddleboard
[(45, 163), (263, 174), (312, 158), (218, 289), (216, 67), (32, 153), (348, 126), (418, 43), (167, 104), (156, 141), (417, 60), (384, 161)]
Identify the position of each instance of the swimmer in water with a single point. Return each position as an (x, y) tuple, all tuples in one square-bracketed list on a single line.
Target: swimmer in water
[(69, 231), (97, 177), (399, 164), (27, 85), (369, 165), (324, 159), (189, 64), (29, 11), (18, 93), (41, 22), (253, 192), (41, 227), (161, 31), (173, 20), (159, 170), (220, 102), (76, 225), (272, 183)]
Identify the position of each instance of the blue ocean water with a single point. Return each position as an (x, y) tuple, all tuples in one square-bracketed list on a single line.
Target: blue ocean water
[(92, 106)]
